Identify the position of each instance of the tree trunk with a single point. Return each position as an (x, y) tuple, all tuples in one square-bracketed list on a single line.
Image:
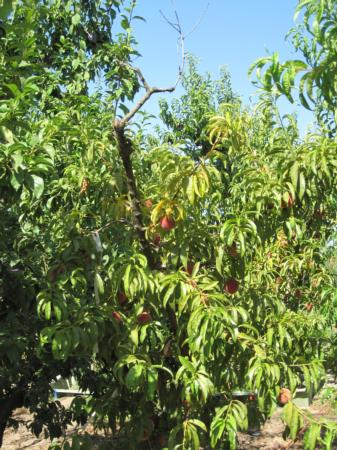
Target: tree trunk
[(125, 149), (7, 406)]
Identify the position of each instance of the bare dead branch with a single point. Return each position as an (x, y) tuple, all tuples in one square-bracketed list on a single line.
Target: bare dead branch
[(121, 123), (141, 78), (198, 22), (175, 26), (138, 72), (150, 90)]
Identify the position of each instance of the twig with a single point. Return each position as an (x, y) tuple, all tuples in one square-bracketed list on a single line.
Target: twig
[(111, 222), (201, 18)]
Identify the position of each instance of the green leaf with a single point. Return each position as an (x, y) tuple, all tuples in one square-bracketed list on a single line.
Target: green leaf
[(6, 134), (99, 283), (187, 364), (217, 429), (134, 377), (190, 191), (139, 18), (134, 335), (311, 436), (47, 310), (292, 419), (219, 260), (36, 184), (192, 437), (199, 424), (6, 7), (16, 180), (152, 379), (294, 174), (330, 434), (301, 185), (173, 436), (76, 19), (125, 23), (98, 286), (126, 278)]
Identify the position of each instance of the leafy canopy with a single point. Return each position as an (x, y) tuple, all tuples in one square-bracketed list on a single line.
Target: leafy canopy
[(234, 210)]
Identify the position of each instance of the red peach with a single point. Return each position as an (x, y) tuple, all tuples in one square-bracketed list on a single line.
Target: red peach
[(122, 298), (167, 223), (117, 316), (156, 239), (231, 286), (309, 306), (144, 317)]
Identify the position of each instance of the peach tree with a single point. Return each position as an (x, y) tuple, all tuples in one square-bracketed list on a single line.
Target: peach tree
[(162, 277)]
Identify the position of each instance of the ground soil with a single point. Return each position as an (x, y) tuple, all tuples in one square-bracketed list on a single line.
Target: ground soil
[(269, 439), (271, 433)]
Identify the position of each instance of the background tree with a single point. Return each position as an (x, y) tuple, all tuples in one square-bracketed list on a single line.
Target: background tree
[(314, 38), (187, 117)]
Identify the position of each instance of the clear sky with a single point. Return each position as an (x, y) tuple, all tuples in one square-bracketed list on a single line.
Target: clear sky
[(233, 33)]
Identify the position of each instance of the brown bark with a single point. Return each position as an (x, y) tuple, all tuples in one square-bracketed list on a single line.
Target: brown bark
[(124, 146)]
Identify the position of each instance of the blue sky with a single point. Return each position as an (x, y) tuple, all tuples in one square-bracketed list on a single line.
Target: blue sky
[(231, 33)]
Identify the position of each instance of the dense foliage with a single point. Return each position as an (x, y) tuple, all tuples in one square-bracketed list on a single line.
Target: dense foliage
[(315, 39), (164, 271)]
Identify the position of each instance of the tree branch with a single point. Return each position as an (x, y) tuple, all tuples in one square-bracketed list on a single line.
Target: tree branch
[(124, 144), (150, 91)]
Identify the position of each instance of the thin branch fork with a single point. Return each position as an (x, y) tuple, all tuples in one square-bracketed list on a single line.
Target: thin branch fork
[(150, 90), (121, 123)]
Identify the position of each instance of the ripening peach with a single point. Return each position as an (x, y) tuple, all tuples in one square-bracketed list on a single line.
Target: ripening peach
[(284, 396), (117, 316), (144, 317), (231, 286), (289, 203), (122, 298), (148, 203), (156, 239), (167, 223)]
